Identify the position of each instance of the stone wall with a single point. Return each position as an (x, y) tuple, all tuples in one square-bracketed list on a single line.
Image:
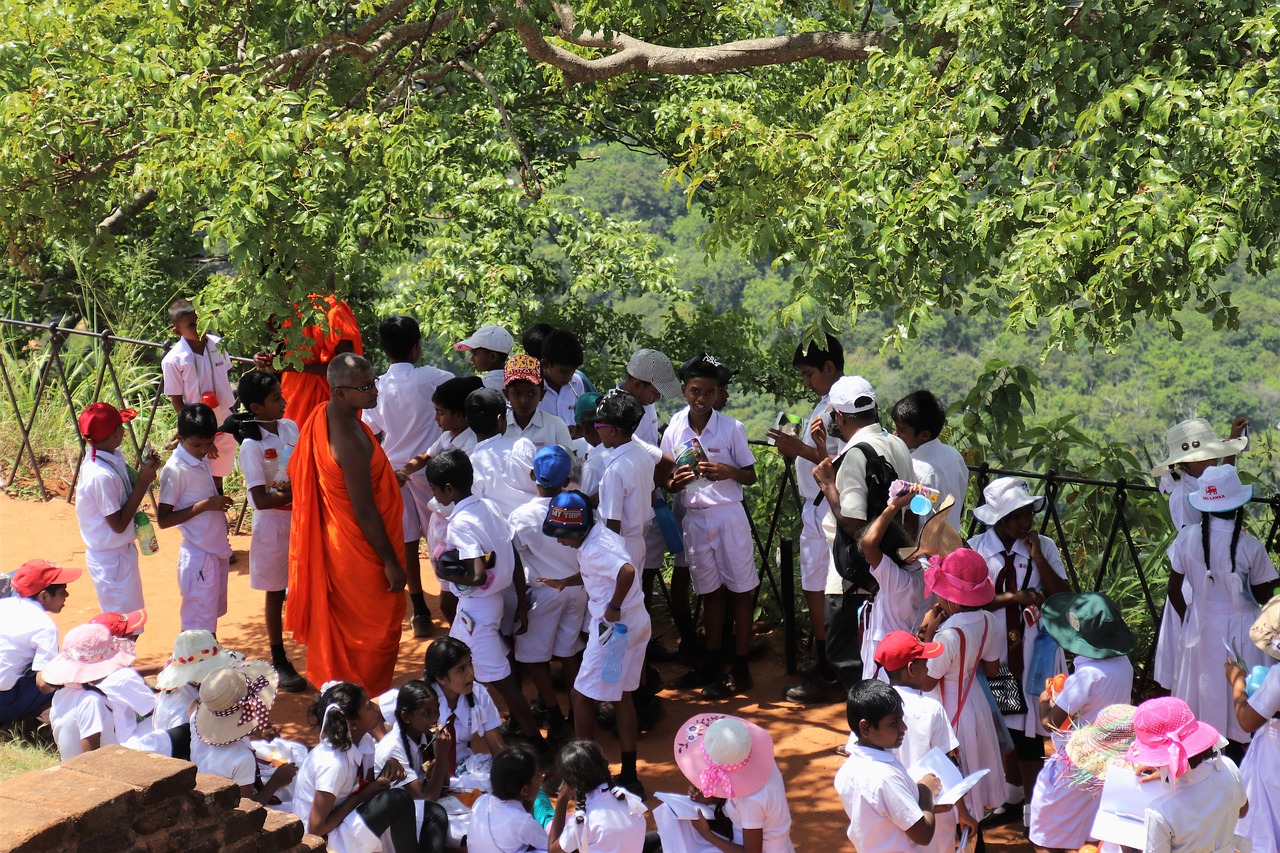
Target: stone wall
[(117, 799)]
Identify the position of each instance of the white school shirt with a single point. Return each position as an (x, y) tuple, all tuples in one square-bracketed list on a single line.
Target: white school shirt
[(502, 464), (464, 441), (189, 375), (173, 706), (648, 431), (724, 440), (896, 607), (942, 467), (185, 481), (28, 638), (611, 825), (392, 746), (593, 468), (560, 403), (542, 556), (234, 761), (602, 555), (476, 529), (260, 471), (327, 769), (626, 494), (103, 488), (1093, 685), (503, 826), (471, 720), (130, 698), (766, 809), (544, 429), (881, 800), (927, 727), (1198, 814), (804, 468), (404, 414), (494, 379), (76, 713), (1179, 492)]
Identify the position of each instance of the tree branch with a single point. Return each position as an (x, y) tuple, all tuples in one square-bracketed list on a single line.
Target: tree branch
[(116, 220), (532, 183)]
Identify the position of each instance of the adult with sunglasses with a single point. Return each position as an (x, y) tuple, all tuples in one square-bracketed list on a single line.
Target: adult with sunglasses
[(346, 578)]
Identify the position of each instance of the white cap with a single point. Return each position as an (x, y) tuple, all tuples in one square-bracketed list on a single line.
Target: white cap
[(649, 365), (852, 394), (490, 337)]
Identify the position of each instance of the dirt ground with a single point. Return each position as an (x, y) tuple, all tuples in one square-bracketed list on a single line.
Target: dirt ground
[(804, 737)]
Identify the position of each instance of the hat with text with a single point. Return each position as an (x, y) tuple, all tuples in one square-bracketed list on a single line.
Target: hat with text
[(850, 395), (1220, 490), (522, 368), (491, 337), (569, 516), (552, 466), (649, 365)]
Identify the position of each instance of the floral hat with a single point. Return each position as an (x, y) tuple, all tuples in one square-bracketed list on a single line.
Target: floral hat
[(1092, 747), (89, 653), (234, 701), (522, 368), (724, 756), (1194, 441), (961, 577), (1265, 632), (195, 655), (1167, 734)]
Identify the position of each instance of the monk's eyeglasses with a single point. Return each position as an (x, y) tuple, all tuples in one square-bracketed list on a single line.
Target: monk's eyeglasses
[(363, 389)]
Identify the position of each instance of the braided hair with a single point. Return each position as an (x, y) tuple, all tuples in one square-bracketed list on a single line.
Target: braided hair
[(1238, 516), (583, 766), (333, 710), (412, 696)]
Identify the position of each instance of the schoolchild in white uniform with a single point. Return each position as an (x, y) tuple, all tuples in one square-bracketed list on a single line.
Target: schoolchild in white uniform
[(592, 455), (131, 699), (1193, 447), (1229, 572), (195, 655), (483, 566), (405, 421), (196, 371), (716, 532), (559, 358), (888, 812), (108, 496), (503, 822), (614, 598), (267, 439), (555, 615), (1259, 714), (190, 500), (422, 748), (1091, 627), (467, 710), (899, 602), (919, 419), (523, 388), (626, 487), (606, 819), (820, 365), (81, 714), (29, 637), (489, 348), (500, 460)]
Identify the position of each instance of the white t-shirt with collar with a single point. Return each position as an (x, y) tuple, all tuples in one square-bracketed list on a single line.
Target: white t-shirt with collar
[(77, 713), (476, 529), (189, 375), (494, 379), (103, 488), (560, 403), (544, 429), (881, 800), (463, 441), (626, 494), (804, 468), (542, 556), (942, 467), (234, 761), (503, 826), (472, 719), (405, 415), (767, 810), (724, 440), (611, 825), (185, 481), (1199, 813), (897, 605), (28, 638), (502, 464), (260, 471), (600, 558)]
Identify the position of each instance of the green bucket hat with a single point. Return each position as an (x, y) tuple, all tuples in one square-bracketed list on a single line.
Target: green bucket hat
[(1088, 624)]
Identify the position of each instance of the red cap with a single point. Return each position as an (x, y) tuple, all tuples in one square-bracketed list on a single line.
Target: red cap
[(99, 420), (35, 576), (122, 624), (899, 648)]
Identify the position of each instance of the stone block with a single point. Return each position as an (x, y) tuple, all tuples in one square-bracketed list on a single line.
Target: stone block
[(157, 777), (214, 795), (31, 827), (86, 802), (280, 831)]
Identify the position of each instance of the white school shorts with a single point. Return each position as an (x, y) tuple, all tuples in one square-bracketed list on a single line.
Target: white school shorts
[(477, 625), (590, 681), (116, 578), (720, 549), (815, 552), (202, 583), (416, 493), (269, 551), (555, 624), (226, 444)]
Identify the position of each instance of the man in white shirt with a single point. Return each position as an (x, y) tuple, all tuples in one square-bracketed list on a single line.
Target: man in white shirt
[(918, 419), (29, 637)]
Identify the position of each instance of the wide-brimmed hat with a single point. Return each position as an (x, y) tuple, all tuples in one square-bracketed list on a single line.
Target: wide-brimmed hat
[(1005, 495), (1220, 490), (195, 655), (35, 576), (937, 537), (1087, 623), (961, 577), (89, 653), (1194, 441), (1167, 734), (724, 756), (122, 624), (1092, 747), (1265, 632), (234, 701)]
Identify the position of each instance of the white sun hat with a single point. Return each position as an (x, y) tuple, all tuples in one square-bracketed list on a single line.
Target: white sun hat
[(1194, 441), (1003, 496)]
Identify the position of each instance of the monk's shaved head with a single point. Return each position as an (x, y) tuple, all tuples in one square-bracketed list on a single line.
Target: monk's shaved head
[(345, 367)]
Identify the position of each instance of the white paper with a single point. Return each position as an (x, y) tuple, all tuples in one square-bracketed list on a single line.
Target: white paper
[(954, 785), (1122, 810), (684, 807)]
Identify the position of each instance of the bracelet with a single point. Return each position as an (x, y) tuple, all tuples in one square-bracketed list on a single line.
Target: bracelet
[(612, 606)]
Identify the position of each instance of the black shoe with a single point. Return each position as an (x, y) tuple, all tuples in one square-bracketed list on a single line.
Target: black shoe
[(757, 649), (815, 691), (699, 676), (290, 681), (511, 729), (658, 653), (727, 687), (632, 784), (559, 733), (648, 716), (539, 712), (691, 652), (422, 625)]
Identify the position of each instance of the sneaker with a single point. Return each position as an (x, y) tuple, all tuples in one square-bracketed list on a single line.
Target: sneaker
[(699, 676), (290, 681), (423, 627), (815, 691)]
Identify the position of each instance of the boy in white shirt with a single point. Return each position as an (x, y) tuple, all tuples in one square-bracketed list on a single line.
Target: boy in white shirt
[(888, 812), (918, 419), (196, 371), (717, 537), (522, 386), (626, 487), (190, 500), (404, 421), (560, 356), (489, 347), (500, 462), (107, 499), (29, 637)]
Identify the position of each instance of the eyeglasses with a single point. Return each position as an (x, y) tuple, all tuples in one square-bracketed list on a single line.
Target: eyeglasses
[(363, 389)]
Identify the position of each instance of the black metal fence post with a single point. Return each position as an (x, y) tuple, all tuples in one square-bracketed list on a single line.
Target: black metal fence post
[(787, 574)]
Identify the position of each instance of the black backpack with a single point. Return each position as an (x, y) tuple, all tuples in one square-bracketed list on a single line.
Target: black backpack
[(850, 563)]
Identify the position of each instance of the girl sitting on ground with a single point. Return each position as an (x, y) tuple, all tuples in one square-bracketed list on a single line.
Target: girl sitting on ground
[(81, 714), (606, 818), (503, 822)]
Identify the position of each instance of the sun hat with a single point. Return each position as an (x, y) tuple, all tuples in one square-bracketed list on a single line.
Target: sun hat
[(491, 337), (584, 408), (852, 394), (961, 577), (195, 655), (522, 368), (552, 466), (1167, 734), (937, 538), (1087, 623), (1265, 632), (99, 420), (122, 624), (619, 409), (35, 576), (1005, 495), (1109, 736), (900, 648), (1194, 441), (234, 701), (89, 652), (724, 756), (649, 365), (569, 516), (1220, 490)]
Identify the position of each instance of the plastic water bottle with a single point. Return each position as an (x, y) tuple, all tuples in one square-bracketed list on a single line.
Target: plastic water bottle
[(147, 542), (615, 649)]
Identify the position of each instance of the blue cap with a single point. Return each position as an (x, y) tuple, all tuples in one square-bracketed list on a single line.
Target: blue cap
[(552, 466), (569, 516)]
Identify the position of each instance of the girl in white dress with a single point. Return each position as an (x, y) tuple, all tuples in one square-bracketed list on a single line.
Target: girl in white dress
[(417, 744), (1259, 715), (607, 819), (1229, 572)]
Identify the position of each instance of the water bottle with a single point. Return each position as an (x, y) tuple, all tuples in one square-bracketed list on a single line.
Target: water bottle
[(615, 649), (147, 542)]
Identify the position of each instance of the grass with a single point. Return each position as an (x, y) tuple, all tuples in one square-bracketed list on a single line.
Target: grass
[(19, 756)]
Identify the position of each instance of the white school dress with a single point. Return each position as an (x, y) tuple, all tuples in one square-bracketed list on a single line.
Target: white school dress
[(1199, 813), (613, 822), (265, 462), (1169, 640), (1258, 771), (1222, 612), (132, 702), (234, 761), (766, 810), (336, 772), (471, 719), (503, 826), (897, 606)]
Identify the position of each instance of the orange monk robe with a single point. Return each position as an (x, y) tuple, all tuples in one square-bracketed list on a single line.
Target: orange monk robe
[(305, 391), (339, 607)]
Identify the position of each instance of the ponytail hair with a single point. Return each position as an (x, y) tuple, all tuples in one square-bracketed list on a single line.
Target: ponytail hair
[(583, 766), (333, 710)]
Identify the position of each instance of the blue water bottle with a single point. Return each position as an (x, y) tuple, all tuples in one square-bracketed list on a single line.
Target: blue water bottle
[(615, 649)]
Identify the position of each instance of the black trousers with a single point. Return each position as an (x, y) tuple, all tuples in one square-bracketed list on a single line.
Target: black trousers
[(844, 641), (394, 810)]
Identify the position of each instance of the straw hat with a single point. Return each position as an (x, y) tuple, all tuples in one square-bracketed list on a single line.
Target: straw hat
[(724, 756), (1220, 490), (1167, 734), (1265, 632), (961, 577), (1092, 747), (195, 655), (234, 701), (1003, 496), (937, 537), (89, 653), (1087, 623), (1194, 441)]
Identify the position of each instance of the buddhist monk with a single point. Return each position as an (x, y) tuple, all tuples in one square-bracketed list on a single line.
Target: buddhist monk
[(346, 579)]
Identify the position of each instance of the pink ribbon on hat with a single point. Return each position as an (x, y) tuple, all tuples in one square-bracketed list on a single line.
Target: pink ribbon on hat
[(251, 707), (716, 775), (1179, 762), (932, 573)]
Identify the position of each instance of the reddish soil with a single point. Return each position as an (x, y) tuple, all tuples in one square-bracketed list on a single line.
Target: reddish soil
[(805, 737)]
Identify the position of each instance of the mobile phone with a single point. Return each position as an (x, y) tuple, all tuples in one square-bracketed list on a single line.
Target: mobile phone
[(777, 425)]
